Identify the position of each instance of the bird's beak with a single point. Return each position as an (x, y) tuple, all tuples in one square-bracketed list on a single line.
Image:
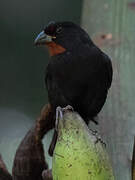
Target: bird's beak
[(42, 39)]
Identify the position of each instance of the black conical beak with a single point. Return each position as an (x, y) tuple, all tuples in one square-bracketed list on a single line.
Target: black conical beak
[(42, 39)]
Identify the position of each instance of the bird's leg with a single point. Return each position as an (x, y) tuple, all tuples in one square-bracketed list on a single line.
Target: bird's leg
[(54, 139), (45, 121), (59, 114)]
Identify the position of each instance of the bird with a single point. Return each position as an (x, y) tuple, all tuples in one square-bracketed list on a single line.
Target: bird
[(78, 74)]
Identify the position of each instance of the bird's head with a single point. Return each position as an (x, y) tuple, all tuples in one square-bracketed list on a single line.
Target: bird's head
[(61, 36)]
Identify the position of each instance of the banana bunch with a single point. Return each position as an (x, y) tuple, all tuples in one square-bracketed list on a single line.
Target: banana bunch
[(78, 154)]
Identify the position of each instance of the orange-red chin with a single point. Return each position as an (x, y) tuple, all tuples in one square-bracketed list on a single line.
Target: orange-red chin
[(54, 49), (44, 39)]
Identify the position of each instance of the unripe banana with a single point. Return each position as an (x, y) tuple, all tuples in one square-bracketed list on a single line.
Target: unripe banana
[(78, 154)]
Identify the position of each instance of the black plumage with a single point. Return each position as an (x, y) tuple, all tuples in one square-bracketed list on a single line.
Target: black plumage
[(80, 76), (78, 73)]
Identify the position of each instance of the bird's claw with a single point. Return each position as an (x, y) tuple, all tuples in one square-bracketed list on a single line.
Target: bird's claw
[(94, 132), (59, 114), (68, 108), (98, 137)]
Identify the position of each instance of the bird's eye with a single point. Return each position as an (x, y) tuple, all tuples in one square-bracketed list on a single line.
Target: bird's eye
[(58, 30), (50, 29)]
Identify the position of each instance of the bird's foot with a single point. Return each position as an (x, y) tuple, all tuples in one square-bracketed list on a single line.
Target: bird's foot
[(68, 108), (98, 137), (59, 114), (94, 132)]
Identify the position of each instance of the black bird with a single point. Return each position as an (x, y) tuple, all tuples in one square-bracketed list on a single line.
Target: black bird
[(78, 73)]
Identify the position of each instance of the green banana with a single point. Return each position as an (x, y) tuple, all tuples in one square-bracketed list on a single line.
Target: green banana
[(78, 154)]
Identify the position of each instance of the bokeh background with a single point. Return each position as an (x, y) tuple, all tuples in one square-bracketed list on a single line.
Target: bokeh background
[(22, 66)]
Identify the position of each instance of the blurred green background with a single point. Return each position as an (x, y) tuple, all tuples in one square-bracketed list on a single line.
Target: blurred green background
[(22, 66)]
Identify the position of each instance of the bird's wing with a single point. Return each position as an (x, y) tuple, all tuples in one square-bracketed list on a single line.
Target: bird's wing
[(55, 93), (69, 78), (108, 69)]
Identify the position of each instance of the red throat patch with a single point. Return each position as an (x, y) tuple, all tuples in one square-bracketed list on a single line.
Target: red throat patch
[(54, 48)]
